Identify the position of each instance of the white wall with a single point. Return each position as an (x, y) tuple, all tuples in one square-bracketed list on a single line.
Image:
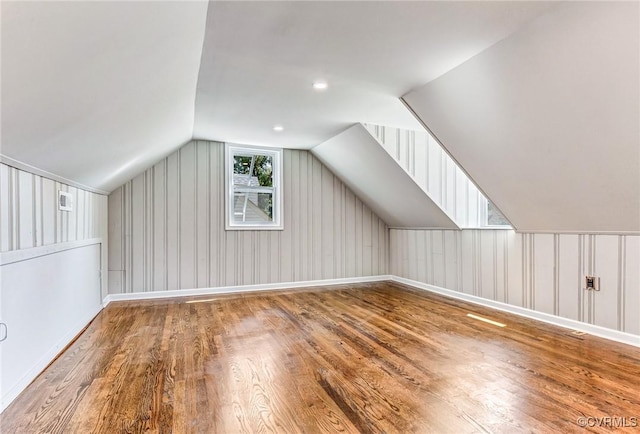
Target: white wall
[(50, 271), (542, 272), (45, 301), (546, 120), (422, 157), (166, 228)]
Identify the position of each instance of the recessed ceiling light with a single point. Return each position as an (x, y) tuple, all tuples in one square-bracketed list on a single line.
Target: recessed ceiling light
[(320, 85), (278, 128)]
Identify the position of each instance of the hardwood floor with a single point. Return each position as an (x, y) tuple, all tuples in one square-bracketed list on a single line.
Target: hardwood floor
[(360, 358)]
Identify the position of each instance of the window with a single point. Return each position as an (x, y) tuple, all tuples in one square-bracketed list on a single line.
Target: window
[(494, 217), (253, 187)]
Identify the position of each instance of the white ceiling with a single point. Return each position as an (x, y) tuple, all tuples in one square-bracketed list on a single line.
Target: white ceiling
[(96, 92), (547, 122), (260, 59)]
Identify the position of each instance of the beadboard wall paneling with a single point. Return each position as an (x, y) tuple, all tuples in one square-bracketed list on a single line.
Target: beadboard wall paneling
[(29, 215), (166, 228), (422, 157), (542, 272)]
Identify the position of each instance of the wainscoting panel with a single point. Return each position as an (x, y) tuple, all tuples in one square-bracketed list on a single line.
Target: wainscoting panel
[(167, 228), (542, 272)]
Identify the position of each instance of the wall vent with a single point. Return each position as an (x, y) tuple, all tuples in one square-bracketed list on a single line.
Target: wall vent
[(65, 201)]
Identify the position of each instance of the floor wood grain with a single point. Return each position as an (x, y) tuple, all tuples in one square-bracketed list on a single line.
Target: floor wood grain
[(370, 358)]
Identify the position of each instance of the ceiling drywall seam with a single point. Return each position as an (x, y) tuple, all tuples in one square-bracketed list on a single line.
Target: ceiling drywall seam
[(444, 148), (195, 93)]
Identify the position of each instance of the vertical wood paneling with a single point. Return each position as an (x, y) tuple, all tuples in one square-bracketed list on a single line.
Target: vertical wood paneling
[(29, 215), (500, 261), (515, 273), (187, 212), (159, 218), (167, 228), (543, 272), (286, 240), (202, 214), (25, 210), (138, 229), (605, 258), (72, 217), (630, 318), (569, 281), (487, 267), (450, 260), (422, 157), (467, 259), (437, 260), (49, 196), (172, 201), (327, 227), (6, 199)]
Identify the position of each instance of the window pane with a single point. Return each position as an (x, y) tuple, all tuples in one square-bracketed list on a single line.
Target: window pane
[(263, 170), (494, 217), (260, 166), (241, 164), (253, 207)]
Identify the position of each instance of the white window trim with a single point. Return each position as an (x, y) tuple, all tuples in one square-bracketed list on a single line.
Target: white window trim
[(276, 153)]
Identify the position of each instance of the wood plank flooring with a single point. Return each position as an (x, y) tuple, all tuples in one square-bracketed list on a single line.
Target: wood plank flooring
[(370, 358)]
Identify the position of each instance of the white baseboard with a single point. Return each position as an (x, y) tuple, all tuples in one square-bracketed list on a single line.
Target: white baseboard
[(595, 330), (241, 288), (9, 395), (614, 335)]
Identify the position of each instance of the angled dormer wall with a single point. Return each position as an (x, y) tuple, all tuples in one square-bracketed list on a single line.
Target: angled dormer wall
[(361, 162), (547, 121), (423, 158)]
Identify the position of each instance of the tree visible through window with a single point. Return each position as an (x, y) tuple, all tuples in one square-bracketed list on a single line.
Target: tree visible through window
[(253, 182)]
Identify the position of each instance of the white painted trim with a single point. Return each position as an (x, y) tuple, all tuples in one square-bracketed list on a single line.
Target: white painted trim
[(595, 330), (422, 228), (35, 252), (38, 367), (240, 289), (232, 149), (614, 335), (524, 231), (31, 169), (480, 228)]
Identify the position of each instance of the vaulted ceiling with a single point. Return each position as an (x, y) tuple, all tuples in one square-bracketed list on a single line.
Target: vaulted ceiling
[(522, 94), (98, 91)]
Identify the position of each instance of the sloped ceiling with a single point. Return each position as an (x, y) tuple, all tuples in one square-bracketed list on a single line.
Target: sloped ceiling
[(97, 91), (547, 121), (260, 59), (379, 181)]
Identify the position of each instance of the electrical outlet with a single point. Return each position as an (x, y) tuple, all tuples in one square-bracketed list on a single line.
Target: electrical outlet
[(591, 283)]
